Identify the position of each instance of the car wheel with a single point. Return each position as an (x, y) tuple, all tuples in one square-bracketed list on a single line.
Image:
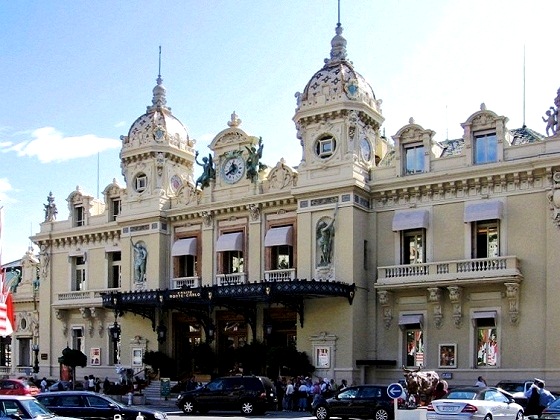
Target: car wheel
[(247, 408), (488, 417), (322, 413), (519, 416), (381, 414), (188, 407)]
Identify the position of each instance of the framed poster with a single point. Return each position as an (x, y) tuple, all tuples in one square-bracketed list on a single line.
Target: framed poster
[(322, 357), (137, 357), (95, 356), (448, 355)]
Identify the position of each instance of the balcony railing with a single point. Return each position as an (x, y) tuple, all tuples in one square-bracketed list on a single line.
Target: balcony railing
[(280, 275), (188, 282), (459, 271), (90, 295), (231, 279)]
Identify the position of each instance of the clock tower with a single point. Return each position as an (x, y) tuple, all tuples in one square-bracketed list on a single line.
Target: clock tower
[(338, 120)]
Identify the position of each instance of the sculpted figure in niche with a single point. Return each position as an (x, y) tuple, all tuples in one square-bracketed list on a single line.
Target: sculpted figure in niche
[(140, 257), (325, 239), (254, 166), (208, 170)]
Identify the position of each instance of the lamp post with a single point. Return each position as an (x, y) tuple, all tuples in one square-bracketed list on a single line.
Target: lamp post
[(115, 332), (36, 363), (161, 333)]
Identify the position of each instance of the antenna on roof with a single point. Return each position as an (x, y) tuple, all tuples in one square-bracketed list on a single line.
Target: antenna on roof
[(523, 85), (159, 66), (338, 23)]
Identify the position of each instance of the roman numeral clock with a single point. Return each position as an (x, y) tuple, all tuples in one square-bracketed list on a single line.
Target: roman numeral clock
[(233, 167)]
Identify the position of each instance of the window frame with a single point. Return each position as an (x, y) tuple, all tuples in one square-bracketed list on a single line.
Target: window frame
[(492, 329), (114, 265), (79, 216), (325, 146), (420, 342), (476, 235), (405, 250), (78, 338), (79, 270), (140, 183), (419, 167), (115, 209), (487, 141)]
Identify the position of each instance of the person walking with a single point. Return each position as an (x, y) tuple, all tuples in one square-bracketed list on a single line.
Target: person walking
[(481, 382)]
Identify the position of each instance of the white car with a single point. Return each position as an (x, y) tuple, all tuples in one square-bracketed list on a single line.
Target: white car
[(26, 407), (475, 403)]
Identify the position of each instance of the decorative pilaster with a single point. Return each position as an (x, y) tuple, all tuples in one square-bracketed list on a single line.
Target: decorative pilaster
[(434, 297), (60, 314), (456, 298), (512, 294), (386, 301)]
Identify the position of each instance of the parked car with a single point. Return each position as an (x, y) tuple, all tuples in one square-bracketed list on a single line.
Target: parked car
[(517, 389), (90, 405), (59, 386), (475, 403), (249, 394), (17, 387), (26, 407), (364, 401)]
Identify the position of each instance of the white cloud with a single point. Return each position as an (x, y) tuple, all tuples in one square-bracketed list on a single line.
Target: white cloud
[(5, 188), (49, 145)]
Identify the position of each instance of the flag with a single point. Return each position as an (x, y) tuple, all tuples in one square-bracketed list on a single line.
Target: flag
[(7, 320)]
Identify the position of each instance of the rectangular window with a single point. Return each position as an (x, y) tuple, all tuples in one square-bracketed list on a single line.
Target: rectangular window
[(414, 341), (282, 257), (486, 242), (24, 356), (79, 274), (78, 339), (115, 209), (141, 183), (487, 351), (414, 158), (185, 266), (412, 246), (114, 274), (232, 262), (485, 148), (79, 216)]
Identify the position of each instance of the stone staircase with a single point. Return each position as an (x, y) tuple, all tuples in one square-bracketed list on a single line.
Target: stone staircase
[(152, 392)]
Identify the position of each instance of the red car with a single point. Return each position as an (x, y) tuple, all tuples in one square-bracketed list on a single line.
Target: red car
[(17, 387)]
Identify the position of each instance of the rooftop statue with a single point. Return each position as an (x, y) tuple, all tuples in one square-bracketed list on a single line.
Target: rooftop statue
[(208, 170), (254, 165), (50, 209)]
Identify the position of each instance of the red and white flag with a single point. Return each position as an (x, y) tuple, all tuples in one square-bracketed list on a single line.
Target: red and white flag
[(6, 304)]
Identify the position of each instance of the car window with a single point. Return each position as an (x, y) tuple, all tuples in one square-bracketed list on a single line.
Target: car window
[(70, 401), (253, 384), (12, 408), (216, 385), (492, 395), (7, 385), (35, 408), (370, 392), (94, 401), (461, 395), (348, 393), (48, 399)]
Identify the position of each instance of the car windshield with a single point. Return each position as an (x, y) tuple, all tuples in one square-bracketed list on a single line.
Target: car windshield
[(36, 409), (511, 387), (555, 403), (461, 395)]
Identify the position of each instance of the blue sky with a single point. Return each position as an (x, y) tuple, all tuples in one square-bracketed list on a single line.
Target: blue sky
[(76, 74)]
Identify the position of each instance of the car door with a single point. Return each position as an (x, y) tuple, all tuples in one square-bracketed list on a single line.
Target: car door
[(367, 401), (100, 408), (344, 403), (233, 391), (211, 397), (69, 405)]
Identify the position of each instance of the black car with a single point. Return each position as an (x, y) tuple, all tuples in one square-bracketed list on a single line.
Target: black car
[(249, 394), (364, 401), (89, 405)]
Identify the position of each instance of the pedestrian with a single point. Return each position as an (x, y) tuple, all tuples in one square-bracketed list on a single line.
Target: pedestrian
[(287, 403), (302, 394), (481, 382), (44, 385), (90, 383), (533, 399), (343, 385)]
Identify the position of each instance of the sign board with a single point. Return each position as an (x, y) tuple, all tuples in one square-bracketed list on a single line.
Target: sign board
[(395, 391), (165, 387)]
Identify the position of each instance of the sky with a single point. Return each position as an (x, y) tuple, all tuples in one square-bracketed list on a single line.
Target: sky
[(76, 74)]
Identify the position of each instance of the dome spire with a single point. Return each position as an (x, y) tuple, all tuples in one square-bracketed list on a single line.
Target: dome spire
[(338, 43), (159, 101)]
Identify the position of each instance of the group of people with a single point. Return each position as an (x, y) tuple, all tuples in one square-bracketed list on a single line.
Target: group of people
[(296, 394), (538, 398)]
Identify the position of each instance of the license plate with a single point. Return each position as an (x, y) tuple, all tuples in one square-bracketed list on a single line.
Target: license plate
[(448, 408)]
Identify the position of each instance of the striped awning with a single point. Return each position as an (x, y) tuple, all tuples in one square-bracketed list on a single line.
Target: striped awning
[(185, 246), (230, 242), (279, 236), (483, 210), (411, 219)]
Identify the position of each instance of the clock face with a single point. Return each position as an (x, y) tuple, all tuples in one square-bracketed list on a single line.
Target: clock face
[(365, 149), (233, 169)]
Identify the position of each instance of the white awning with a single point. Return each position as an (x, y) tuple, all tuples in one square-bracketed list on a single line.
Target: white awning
[(411, 319), (185, 246), (484, 315), (279, 236), (411, 219), (485, 210), (230, 242)]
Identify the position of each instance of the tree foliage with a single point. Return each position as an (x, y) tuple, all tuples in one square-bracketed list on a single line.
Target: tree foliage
[(73, 358)]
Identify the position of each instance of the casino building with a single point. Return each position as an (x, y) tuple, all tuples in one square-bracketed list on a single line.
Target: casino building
[(371, 254)]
